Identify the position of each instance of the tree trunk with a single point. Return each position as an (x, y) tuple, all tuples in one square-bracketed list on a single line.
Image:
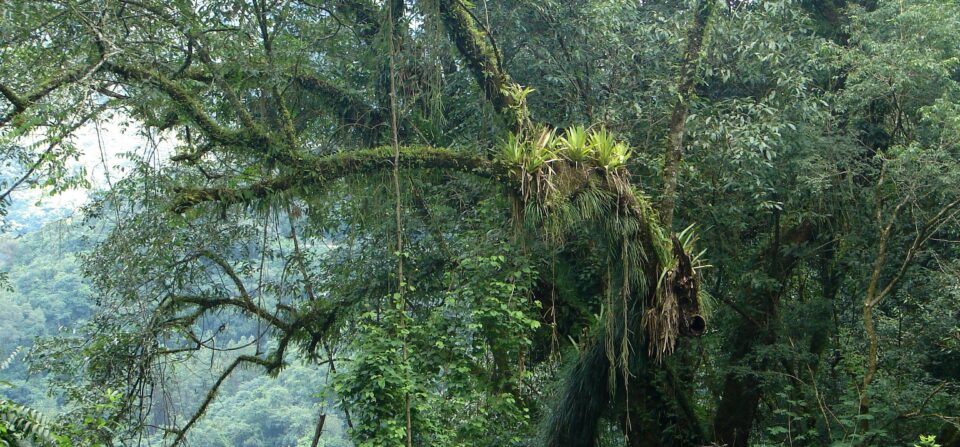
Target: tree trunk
[(678, 119), (737, 409)]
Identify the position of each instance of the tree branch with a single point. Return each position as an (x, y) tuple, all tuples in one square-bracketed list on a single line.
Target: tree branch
[(350, 108), (44, 156), (678, 119), (923, 235), (212, 394), (482, 58), (192, 107), (22, 103), (243, 304), (318, 172)]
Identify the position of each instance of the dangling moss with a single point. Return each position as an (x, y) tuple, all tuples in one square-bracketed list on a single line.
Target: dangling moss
[(562, 187), (584, 184)]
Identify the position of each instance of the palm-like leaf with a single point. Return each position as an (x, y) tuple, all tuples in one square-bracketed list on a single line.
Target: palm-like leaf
[(541, 151), (512, 151)]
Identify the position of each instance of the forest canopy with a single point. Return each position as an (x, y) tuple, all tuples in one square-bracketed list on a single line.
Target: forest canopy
[(486, 223)]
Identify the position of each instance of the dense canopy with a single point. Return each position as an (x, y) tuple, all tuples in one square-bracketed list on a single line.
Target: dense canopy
[(488, 223)]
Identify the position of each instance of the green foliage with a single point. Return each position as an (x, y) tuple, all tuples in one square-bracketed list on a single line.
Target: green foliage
[(574, 145), (927, 441), (819, 162), (541, 151), (535, 153), (608, 153), (380, 383), (20, 424), (434, 355), (93, 424), (513, 151)]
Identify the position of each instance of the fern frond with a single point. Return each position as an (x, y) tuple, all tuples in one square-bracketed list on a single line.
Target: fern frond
[(24, 423)]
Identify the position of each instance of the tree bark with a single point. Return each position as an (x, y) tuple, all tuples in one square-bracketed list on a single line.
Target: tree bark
[(483, 59), (678, 119)]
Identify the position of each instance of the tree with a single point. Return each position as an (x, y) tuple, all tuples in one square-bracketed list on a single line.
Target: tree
[(258, 126), (506, 229)]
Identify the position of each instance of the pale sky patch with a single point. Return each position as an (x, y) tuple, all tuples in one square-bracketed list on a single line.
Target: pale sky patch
[(102, 147)]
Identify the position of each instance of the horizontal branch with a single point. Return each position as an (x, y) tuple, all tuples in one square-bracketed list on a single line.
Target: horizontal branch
[(243, 304), (318, 172)]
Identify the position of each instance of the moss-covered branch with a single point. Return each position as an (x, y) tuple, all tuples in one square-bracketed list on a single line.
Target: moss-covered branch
[(19, 104), (320, 171), (350, 108), (191, 106), (245, 305), (23, 102), (482, 58), (678, 119), (652, 288), (366, 17)]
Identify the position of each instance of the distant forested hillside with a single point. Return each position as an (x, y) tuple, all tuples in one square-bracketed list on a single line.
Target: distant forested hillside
[(50, 299)]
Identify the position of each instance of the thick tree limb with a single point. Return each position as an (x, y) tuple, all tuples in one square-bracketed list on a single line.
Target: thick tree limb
[(309, 324), (365, 15), (317, 172), (483, 59), (248, 306), (741, 394), (349, 107), (189, 105), (678, 119)]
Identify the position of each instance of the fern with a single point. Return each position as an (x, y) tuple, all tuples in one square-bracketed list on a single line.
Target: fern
[(20, 423), (6, 364)]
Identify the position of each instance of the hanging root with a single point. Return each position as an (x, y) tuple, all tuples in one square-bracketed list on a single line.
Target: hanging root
[(662, 321), (676, 307)]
